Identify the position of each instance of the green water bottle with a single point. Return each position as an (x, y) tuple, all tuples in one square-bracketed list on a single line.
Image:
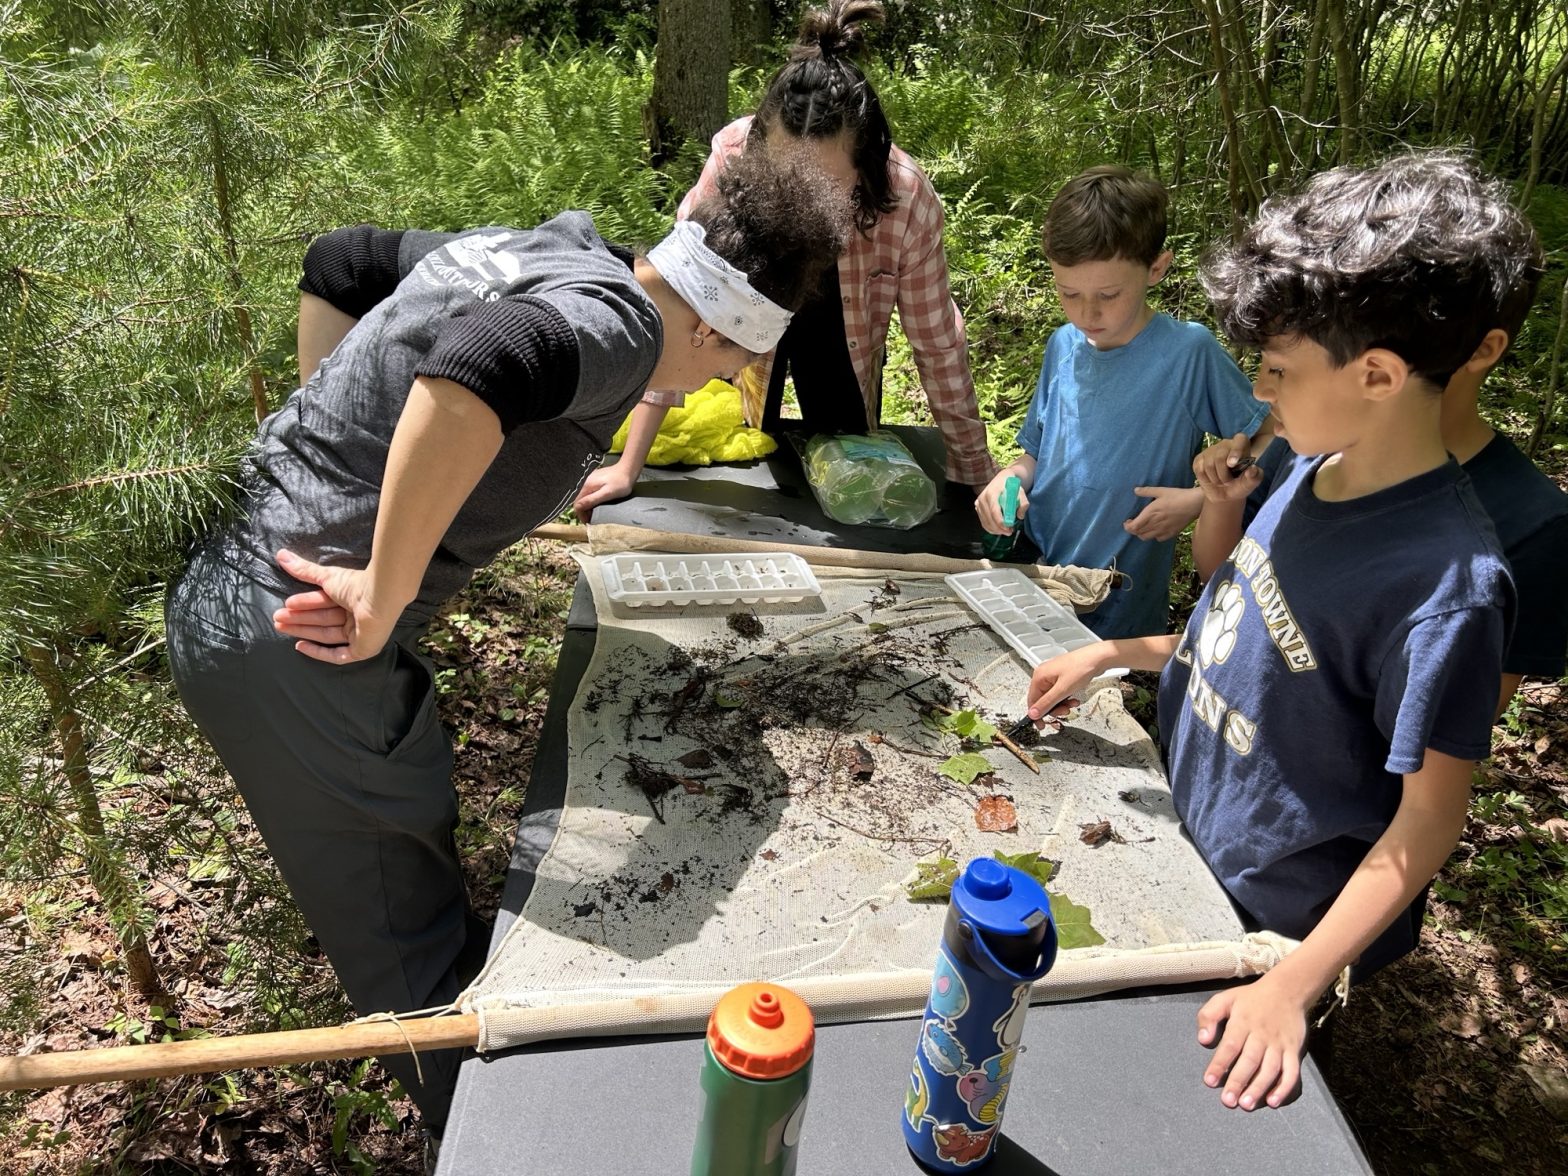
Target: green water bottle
[(1001, 546), (756, 1071)]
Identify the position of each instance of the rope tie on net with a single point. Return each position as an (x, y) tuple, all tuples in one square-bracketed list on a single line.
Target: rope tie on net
[(397, 1019)]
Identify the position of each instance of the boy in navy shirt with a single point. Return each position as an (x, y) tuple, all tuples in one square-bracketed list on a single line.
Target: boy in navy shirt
[(1322, 714), (1125, 397), (1528, 511)]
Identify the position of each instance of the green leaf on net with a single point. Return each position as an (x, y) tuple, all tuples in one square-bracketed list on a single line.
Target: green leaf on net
[(1037, 867), (932, 880), (964, 768), (726, 701), (1073, 928), (966, 724)]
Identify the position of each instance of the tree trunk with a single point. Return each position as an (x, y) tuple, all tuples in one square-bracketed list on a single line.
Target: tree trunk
[(218, 149), (1242, 186), (690, 74), (103, 868), (1344, 78), (1543, 96), (1301, 142), (1553, 379), (751, 29)]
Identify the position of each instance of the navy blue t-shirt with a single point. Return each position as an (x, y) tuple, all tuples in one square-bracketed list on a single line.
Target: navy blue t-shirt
[(1337, 644), (1531, 517)]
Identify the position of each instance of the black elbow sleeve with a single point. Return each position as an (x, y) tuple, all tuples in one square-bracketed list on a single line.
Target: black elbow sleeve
[(518, 355), (352, 268)]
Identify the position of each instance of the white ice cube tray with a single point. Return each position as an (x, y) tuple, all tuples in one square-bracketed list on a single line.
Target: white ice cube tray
[(1022, 613), (638, 579)]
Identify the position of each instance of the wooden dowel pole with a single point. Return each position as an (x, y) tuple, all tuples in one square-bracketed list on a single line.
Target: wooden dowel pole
[(209, 1054), (561, 532)]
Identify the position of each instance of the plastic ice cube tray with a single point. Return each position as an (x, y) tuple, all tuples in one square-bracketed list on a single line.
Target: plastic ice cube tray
[(638, 579), (1022, 613)]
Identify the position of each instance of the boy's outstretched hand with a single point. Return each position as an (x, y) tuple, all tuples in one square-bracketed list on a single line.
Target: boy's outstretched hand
[(1166, 516), (1225, 472), (1265, 1028), (1059, 683)]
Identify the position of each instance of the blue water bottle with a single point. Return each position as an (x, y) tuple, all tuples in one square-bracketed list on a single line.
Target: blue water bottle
[(998, 940)]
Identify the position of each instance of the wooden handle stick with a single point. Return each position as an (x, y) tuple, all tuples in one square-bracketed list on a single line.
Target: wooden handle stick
[(208, 1054), (1002, 739)]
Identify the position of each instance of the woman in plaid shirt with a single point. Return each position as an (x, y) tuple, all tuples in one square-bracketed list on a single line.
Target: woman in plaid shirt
[(821, 105)]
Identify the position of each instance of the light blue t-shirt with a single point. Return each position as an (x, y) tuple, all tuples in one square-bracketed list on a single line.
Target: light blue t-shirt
[(1102, 422)]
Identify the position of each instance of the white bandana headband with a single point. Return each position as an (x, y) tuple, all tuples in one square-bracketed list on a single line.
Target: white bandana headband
[(719, 293)]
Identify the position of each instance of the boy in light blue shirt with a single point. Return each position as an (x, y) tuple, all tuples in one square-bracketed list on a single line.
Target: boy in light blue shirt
[(1125, 397)]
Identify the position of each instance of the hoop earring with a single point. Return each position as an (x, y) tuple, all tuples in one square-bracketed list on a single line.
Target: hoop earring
[(696, 339)]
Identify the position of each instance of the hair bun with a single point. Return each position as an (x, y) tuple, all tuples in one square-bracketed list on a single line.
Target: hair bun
[(837, 30)]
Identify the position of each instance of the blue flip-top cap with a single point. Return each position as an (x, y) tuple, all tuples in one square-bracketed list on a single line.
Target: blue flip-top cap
[(1008, 913)]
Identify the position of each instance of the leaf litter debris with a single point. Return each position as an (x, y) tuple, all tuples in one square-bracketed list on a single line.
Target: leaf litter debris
[(996, 814)]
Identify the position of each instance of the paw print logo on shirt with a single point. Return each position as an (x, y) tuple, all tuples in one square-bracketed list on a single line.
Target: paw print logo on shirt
[(1218, 636)]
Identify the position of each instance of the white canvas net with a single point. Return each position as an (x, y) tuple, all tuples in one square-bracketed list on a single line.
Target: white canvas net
[(746, 799)]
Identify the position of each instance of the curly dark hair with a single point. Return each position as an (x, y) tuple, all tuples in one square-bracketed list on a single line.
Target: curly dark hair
[(1108, 212), (782, 225), (821, 93), (1422, 254)]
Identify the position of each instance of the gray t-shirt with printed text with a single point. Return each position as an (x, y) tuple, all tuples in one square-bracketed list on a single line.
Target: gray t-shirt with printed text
[(313, 477)]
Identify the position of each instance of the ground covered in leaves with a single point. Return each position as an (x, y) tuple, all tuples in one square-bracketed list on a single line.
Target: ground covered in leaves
[(495, 655), (1453, 1061)]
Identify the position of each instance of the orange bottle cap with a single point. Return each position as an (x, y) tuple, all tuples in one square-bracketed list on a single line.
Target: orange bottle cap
[(761, 1031)]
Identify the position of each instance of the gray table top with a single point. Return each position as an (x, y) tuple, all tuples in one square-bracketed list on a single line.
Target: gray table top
[(1106, 1086), (770, 499)]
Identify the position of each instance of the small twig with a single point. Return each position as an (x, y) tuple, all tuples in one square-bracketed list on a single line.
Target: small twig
[(882, 836), (924, 602), (1002, 739), (902, 750), (913, 685), (1027, 761), (811, 630)]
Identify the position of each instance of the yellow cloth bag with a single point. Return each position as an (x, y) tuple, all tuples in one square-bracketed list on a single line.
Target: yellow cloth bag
[(706, 429)]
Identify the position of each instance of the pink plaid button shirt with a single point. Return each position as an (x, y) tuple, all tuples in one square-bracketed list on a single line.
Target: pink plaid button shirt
[(900, 262)]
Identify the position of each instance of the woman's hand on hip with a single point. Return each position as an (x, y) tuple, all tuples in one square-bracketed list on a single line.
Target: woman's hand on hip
[(339, 622)]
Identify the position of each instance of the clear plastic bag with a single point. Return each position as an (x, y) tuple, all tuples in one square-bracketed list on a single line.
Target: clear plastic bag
[(869, 479)]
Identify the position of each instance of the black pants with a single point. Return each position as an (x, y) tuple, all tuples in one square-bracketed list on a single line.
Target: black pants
[(348, 775), (814, 352)]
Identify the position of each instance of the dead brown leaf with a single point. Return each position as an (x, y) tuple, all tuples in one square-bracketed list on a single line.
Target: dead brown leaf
[(82, 948), (995, 814), (1550, 1086), (858, 761), (1098, 833), (1555, 828), (1466, 1025), (163, 896)]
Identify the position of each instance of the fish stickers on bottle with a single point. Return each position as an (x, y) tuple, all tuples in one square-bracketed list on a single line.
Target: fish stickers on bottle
[(997, 941)]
